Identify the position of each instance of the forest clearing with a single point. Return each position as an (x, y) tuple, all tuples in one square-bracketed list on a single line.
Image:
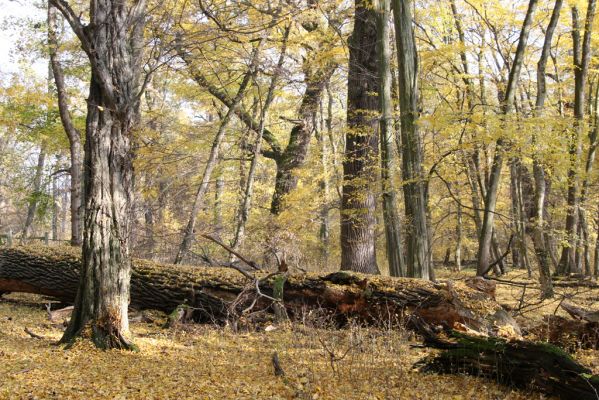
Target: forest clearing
[(299, 199)]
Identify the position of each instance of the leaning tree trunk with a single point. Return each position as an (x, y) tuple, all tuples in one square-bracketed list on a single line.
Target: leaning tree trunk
[(418, 254), (198, 203), (113, 42), (358, 205)]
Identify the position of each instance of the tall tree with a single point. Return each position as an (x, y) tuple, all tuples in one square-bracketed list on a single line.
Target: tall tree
[(418, 250), (358, 205), (540, 180), (74, 136), (113, 41), (581, 55), (486, 234), (394, 249)]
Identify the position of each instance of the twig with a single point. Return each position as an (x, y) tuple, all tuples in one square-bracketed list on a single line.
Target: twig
[(33, 335), (250, 263)]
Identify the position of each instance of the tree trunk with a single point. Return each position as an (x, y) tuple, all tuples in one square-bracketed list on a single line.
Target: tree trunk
[(198, 202), (212, 291), (244, 211), (484, 249), (113, 42), (390, 214), (36, 192), (358, 205), (418, 251), (296, 152), (581, 60), (73, 134)]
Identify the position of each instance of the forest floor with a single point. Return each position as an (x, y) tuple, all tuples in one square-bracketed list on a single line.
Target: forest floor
[(209, 362)]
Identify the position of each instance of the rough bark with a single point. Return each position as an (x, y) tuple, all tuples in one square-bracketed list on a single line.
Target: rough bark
[(54, 271), (112, 41), (485, 240), (358, 205), (418, 251), (73, 135)]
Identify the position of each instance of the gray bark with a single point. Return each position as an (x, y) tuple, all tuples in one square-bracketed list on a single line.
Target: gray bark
[(418, 251), (581, 61), (486, 235), (265, 102), (74, 136), (112, 41), (35, 193), (198, 202), (390, 214)]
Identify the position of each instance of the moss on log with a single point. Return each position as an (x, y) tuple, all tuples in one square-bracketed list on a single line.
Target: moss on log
[(529, 365), (211, 291)]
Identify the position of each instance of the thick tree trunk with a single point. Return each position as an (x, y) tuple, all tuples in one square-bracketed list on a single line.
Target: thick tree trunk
[(484, 246), (391, 218), (358, 206), (54, 271), (418, 251), (113, 43), (73, 134)]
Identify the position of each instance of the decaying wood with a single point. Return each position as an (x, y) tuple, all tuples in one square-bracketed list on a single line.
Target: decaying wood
[(529, 365), (59, 315), (580, 331), (210, 291)]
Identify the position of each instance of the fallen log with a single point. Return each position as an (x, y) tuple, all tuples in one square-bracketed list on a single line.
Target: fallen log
[(523, 364), (579, 332), (217, 293)]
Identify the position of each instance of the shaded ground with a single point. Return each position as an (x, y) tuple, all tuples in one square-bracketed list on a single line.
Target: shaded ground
[(202, 362)]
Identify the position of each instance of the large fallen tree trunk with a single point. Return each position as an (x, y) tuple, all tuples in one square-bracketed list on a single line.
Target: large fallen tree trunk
[(217, 293), (529, 365)]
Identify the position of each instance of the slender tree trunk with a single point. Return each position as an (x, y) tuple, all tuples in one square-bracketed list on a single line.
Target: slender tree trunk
[(35, 194), (390, 213), (358, 206), (458, 243), (219, 191), (296, 152), (418, 251), (55, 206), (198, 202), (485, 240), (244, 211), (325, 187), (539, 237), (113, 42), (74, 136), (581, 58)]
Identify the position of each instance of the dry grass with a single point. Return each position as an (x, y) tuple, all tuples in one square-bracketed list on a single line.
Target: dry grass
[(202, 362)]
